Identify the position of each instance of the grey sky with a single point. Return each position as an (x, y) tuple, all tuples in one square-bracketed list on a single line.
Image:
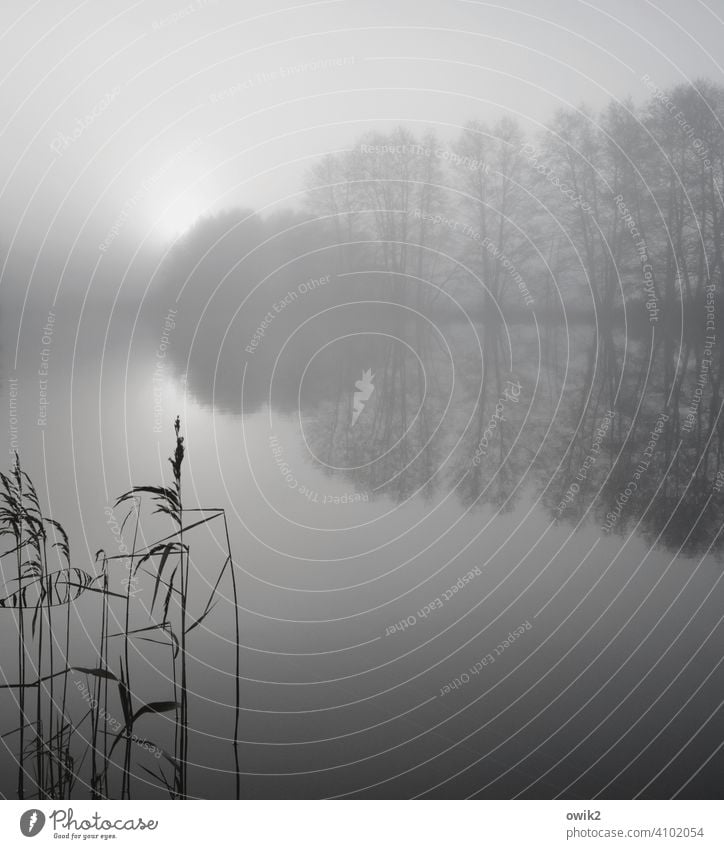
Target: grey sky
[(192, 107)]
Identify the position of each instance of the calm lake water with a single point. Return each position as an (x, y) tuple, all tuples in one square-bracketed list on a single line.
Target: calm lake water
[(457, 593)]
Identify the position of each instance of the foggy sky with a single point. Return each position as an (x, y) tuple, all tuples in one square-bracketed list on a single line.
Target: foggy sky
[(123, 123)]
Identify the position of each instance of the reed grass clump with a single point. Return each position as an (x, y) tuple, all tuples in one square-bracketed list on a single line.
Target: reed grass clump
[(57, 752)]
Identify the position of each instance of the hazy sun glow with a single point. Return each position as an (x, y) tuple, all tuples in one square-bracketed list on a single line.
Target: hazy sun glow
[(175, 217)]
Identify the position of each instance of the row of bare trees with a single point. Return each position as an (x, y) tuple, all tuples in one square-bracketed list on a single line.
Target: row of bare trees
[(601, 210)]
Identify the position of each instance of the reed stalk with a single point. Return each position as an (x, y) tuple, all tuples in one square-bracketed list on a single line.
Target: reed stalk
[(126, 783), (182, 736), (21, 666), (237, 664)]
